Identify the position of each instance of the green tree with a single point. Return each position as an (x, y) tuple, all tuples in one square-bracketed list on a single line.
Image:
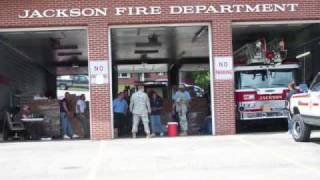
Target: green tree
[(201, 78)]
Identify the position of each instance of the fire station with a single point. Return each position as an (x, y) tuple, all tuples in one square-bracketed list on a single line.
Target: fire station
[(235, 59)]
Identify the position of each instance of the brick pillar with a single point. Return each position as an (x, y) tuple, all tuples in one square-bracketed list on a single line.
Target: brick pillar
[(224, 102), (101, 127)]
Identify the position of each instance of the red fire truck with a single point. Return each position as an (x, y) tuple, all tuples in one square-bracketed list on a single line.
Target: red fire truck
[(262, 77)]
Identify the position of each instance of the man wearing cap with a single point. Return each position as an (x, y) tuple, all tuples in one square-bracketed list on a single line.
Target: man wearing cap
[(181, 101), (140, 108)]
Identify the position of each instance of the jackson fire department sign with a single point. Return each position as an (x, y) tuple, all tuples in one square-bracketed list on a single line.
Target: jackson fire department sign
[(158, 10), (223, 68)]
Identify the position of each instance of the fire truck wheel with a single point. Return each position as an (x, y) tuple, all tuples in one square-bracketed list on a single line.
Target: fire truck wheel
[(300, 130)]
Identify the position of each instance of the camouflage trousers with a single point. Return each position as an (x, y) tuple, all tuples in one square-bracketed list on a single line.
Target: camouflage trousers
[(182, 110)]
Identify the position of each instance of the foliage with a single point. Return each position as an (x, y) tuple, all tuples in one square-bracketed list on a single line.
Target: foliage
[(201, 78)]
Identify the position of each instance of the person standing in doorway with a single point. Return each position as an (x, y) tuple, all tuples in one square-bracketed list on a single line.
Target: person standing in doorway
[(156, 107), (292, 90), (181, 106), (140, 108), (67, 131), (120, 108), (128, 120), (81, 109), (175, 115), (187, 94)]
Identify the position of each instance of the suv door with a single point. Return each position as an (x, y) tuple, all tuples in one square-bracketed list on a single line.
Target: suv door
[(314, 97)]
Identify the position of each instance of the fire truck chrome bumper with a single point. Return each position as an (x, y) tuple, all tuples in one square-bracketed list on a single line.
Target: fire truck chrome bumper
[(263, 115)]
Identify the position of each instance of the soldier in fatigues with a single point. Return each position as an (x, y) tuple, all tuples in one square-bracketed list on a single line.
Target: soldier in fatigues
[(181, 102), (140, 108)]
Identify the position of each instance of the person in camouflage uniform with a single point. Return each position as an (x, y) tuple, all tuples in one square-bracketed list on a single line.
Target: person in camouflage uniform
[(140, 108), (181, 102)]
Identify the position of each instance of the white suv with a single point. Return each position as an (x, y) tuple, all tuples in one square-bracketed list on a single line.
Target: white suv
[(305, 111)]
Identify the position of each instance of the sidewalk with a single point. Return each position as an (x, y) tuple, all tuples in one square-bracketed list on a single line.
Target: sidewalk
[(252, 156)]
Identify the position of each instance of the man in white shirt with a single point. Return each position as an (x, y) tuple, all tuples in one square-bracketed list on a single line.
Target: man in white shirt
[(140, 108), (81, 108)]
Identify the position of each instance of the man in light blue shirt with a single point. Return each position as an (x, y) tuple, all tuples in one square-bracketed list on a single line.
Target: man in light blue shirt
[(120, 108), (181, 102), (185, 92)]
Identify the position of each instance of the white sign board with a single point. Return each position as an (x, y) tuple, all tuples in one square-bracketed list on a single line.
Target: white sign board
[(223, 68), (99, 72)]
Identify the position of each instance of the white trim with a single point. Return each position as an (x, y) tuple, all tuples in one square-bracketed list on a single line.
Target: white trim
[(211, 63), (251, 90), (261, 67), (124, 77), (89, 77), (274, 22), (171, 25), (157, 25), (262, 118), (110, 81), (43, 29)]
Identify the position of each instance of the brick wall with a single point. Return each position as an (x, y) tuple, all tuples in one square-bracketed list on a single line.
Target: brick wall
[(128, 81), (101, 123), (134, 77), (98, 41)]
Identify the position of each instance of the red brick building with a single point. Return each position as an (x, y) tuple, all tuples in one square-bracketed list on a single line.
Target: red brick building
[(221, 15), (131, 79)]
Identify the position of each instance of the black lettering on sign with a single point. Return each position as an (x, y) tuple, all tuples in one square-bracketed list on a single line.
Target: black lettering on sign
[(223, 64), (98, 68)]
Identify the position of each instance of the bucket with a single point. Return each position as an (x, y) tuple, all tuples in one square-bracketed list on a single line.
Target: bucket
[(172, 129)]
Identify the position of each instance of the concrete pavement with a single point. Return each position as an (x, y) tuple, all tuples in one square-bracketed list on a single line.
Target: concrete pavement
[(253, 156)]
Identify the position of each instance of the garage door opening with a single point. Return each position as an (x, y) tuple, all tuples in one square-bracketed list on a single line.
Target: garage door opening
[(37, 69), (267, 57), (162, 59)]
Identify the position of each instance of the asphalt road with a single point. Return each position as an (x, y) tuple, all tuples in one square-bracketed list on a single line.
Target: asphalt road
[(267, 156)]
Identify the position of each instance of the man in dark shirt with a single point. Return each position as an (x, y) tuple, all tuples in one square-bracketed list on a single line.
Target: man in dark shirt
[(156, 107), (120, 109)]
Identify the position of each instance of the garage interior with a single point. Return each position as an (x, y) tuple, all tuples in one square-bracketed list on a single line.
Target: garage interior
[(301, 43), (162, 58), (37, 67)]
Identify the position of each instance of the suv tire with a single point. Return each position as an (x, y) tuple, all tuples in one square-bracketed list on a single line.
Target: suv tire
[(300, 130)]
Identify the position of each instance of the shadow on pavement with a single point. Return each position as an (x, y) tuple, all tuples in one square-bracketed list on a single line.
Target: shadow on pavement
[(262, 126), (315, 140)]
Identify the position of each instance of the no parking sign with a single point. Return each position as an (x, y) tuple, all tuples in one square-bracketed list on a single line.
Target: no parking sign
[(223, 66), (99, 72)]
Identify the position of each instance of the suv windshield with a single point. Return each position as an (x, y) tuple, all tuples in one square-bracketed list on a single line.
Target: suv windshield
[(264, 78)]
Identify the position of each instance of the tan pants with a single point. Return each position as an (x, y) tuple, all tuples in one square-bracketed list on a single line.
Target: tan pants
[(85, 125), (136, 120)]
